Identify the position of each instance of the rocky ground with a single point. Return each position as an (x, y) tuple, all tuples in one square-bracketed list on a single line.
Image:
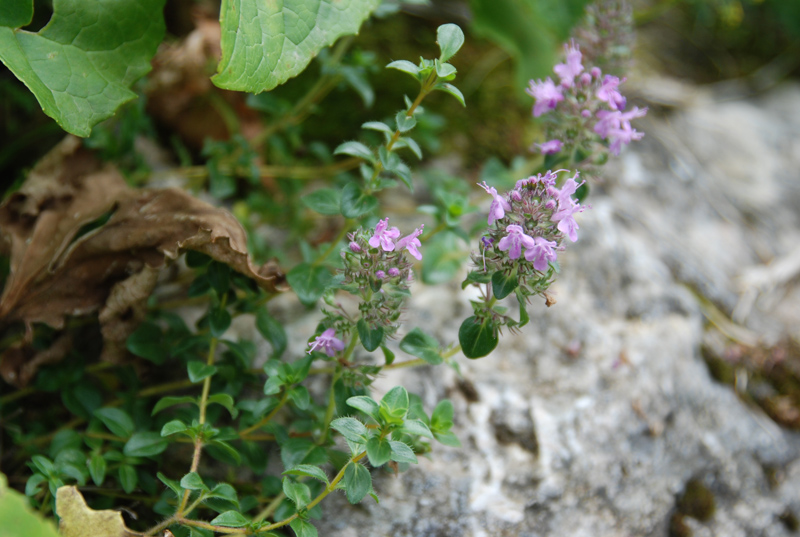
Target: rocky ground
[(601, 418)]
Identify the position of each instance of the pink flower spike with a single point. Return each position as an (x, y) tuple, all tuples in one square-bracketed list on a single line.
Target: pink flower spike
[(541, 254), (550, 147), (411, 242), (514, 241), (328, 342), (547, 96), (499, 206), (568, 71), (384, 236)]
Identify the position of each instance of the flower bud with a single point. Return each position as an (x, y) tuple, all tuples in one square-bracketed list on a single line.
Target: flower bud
[(394, 271), (354, 247)]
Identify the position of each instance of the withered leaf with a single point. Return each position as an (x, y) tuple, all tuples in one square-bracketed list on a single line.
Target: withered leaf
[(55, 272), (80, 520)]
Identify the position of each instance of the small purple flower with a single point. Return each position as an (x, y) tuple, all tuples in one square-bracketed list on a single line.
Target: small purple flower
[(568, 71), (394, 272), (328, 342), (384, 236), (616, 119), (550, 146), (499, 206), (379, 274), (487, 242), (514, 241), (566, 222), (541, 254), (547, 96), (624, 135), (411, 242), (595, 72), (608, 92), (570, 187), (354, 247)]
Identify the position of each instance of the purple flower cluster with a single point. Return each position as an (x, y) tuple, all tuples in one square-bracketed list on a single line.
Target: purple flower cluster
[(530, 223), (587, 105)]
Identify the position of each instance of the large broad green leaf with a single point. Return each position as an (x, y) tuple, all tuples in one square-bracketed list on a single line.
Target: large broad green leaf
[(531, 31), (82, 64), (265, 43), (18, 519)]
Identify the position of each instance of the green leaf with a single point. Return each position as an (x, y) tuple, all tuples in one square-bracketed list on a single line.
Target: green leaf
[(193, 481), (18, 519), (219, 275), (365, 404), (81, 65), (300, 397), (405, 66), (524, 318), (450, 39), (308, 470), (223, 451), (477, 337), (476, 276), (355, 203), (272, 330), (418, 343), (224, 491), (445, 70), (442, 417), (301, 451), (171, 484), (147, 342), (145, 444), (379, 451), (371, 337), (503, 284), (266, 43), (299, 493), (225, 400), (127, 477), (97, 468), (32, 485), (531, 31), (388, 355), (219, 320), (402, 453), (351, 429), (355, 149), (171, 400), (452, 90), (173, 427), (416, 427), (324, 201), (303, 528), (447, 438), (378, 126), (411, 144), (394, 405), (405, 122), (230, 519), (16, 13), (117, 420), (309, 282), (357, 482), (199, 370)]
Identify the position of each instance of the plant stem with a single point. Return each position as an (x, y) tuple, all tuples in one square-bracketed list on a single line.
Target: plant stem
[(426, 88), (331, 410), (270, 508), (328, 489), (266, 419)]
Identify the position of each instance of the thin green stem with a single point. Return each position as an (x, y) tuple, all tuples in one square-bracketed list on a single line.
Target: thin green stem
[(266, 419), (328, 489), (270, 508), (426, 88), (331, 410)]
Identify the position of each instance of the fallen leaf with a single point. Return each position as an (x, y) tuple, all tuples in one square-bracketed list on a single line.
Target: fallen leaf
[(80, 520), (60, 269), (17, 519)]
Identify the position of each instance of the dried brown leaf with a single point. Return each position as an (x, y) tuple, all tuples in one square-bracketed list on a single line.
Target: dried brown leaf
[(114, 267), (79, 520)]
